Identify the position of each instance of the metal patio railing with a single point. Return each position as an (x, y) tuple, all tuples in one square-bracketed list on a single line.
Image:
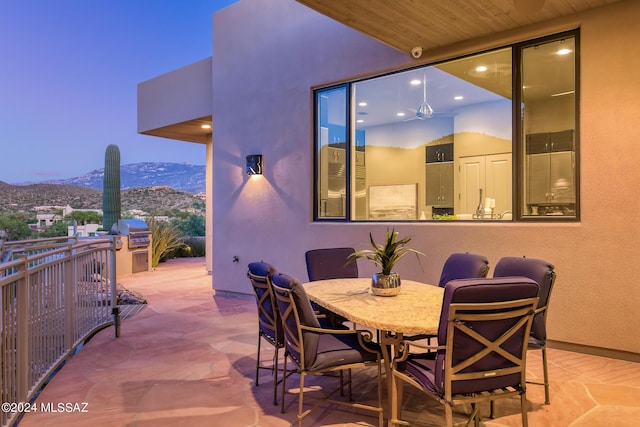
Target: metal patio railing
[(55, 293)]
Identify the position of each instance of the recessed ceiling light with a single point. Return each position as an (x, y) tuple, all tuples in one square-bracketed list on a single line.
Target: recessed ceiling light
[(458, 98), (362, 104), (416, 82), (206, 126), (481, 69), (359, 121), (400, 114), (564, 51)]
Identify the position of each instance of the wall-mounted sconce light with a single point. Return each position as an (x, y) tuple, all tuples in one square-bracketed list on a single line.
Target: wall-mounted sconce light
[(254, 164)]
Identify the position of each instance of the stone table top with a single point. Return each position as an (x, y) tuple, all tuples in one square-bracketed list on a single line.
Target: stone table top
[(416, 310)]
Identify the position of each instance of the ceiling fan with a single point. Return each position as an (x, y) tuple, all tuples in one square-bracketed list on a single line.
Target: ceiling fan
[(424, 111)]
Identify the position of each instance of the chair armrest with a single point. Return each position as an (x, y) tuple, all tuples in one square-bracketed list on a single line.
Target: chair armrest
[(407, 345), (410, 344), (540, 309), (330, 331), (365, 337)]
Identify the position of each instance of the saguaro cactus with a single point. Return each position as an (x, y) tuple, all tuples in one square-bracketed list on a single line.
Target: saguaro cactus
[(111, 187)]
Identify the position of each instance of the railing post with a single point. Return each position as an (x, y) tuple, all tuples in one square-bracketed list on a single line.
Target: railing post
[(22, 333), (115, 310), (69, 297)]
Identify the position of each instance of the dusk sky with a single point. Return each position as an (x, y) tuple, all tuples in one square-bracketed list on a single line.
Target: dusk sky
[(69, 71)]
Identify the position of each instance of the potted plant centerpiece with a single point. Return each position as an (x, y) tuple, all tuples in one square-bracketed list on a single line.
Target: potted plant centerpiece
[(385, 256)]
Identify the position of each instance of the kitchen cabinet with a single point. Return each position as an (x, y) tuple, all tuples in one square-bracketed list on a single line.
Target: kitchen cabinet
[(549, 142), (550, 172), (439, 175), (333, 182), (440, 184), (439, 153)]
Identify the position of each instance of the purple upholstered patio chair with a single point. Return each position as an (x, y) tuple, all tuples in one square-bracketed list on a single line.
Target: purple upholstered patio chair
[(330, 263), (484, 327), (315, 350), (543, 274), (463, 266), (269, 323), (459, 266)]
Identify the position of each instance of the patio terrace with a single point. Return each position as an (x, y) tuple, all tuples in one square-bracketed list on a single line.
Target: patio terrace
[(188, 358)]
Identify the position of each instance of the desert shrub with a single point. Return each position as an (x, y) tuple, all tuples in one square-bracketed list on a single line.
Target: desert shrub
[(194, 247), (166, 238)]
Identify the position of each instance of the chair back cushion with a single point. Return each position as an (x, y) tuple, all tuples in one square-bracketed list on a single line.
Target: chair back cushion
[(543, 274), (298, 309), (268, 314), (330, 263), (464, 346), (463, 266)]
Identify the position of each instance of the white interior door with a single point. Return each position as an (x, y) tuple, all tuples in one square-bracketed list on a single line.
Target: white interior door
[(472, 179), (498, 181), (492, 174)]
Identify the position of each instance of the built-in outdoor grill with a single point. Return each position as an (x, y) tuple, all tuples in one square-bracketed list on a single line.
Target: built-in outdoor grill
[(139, 237), (137, 231)]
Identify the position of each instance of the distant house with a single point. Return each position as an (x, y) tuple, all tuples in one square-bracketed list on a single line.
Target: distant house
[(45, 221), (86, 230), (51, 214)]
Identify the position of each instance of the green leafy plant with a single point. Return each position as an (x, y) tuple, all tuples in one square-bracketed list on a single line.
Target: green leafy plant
[(13, 227), (165, 238), (387, 254), (444, 217)]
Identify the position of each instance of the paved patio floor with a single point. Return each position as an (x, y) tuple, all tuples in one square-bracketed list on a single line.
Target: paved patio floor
[(188, 359)]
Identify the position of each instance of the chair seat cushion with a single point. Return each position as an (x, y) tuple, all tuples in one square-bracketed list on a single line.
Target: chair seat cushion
[(338, 350), (421, 368)]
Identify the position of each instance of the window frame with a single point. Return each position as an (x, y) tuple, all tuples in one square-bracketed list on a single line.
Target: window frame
[(518, 146), (518, 137)]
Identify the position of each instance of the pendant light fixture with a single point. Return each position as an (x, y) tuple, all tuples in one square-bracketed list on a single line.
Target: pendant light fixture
[(424, 110)]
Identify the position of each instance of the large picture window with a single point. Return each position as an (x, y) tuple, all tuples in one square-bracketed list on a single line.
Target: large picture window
[(489, 137)]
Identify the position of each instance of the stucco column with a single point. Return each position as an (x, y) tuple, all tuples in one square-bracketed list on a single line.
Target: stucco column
[(209, 205)]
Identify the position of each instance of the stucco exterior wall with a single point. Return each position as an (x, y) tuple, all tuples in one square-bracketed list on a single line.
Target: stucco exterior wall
[(177, 96), (267, 59)]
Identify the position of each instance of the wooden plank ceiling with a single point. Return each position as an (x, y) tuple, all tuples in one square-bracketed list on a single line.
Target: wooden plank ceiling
[(431, 24), (190, 131)]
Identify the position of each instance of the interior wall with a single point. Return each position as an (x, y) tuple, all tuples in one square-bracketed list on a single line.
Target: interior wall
[(267, 59)]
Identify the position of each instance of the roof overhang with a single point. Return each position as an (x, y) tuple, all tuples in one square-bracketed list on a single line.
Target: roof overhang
[(190, 130), (177, 105), (434, 24)]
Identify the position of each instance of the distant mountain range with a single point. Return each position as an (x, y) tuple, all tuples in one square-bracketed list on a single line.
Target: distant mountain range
[(155, 200), (150, 187), (179, 176)]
